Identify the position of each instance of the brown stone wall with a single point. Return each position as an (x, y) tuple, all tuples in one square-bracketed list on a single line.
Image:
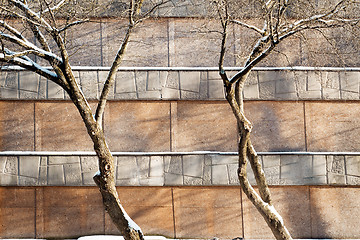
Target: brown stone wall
[(182, 126), (178, 212)]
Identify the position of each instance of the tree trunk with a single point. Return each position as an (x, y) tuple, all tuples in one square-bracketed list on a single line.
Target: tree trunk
[(261, 201)]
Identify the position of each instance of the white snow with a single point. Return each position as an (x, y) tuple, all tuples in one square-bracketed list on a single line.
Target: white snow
[(112, 237)]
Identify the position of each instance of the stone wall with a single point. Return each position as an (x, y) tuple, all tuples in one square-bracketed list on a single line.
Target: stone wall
[(179, 212), (190, 84), (187, 169)]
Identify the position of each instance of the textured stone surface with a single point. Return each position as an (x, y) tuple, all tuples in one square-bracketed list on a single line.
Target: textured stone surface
[(63, 121), (293, 204), (141, 126), (277, 126), (333, 211), (332, 126), (208, 212), (209, 169), (16, 126)]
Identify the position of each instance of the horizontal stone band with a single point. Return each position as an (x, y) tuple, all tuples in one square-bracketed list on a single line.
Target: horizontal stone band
[(189, 84), (187, 169)]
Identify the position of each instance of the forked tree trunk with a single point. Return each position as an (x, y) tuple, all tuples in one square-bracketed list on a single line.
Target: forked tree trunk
[(247, 153), (105, 178)]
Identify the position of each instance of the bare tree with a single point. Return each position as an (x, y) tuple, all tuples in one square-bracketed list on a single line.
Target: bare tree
[(281, 19), (46, 40)]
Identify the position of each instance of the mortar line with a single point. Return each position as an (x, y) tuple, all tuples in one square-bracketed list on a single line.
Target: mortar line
[(305, 133), (173, 210)]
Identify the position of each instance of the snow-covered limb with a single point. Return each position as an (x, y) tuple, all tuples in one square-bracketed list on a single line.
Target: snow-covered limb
[(55, 8), (258, 30)]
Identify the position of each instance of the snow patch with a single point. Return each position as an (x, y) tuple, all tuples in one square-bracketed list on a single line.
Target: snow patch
[(112, 237)]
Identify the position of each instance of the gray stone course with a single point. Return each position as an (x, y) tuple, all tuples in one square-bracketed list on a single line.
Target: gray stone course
[(202, 84), (181, 169)]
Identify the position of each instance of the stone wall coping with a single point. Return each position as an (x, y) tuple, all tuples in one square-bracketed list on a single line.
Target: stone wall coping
[(89, 153), (176, 169), (100, 68)]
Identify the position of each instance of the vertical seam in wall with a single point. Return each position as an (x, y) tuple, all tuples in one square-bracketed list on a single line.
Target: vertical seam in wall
[(311, 228), (35, 126), (242, 215), (35, 212), (101, 45), (171, 130), (305, 133), (173, 210), (168, 41)]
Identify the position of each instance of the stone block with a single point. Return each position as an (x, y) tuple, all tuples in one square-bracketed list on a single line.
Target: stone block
[(333, 211), (29, 166), (72, 174), (27, 181), (143, 166), (351, 180), (193, 121), (204, 89), (54, 91), (310, 95), (319, 165), (193, 165), (267, 90), (293, 204), (2, 163), (148, 45), (350, 81), (314, 81), (17, 222), (28, 95), (172, 179), (192, 181), (12, 80), (349, 95), (126, 96), (190, 81), (89, 84), (151, 181), (17, 126), (153, 82), (43, 176), (233, 174), (12, 165), (125, 82), (8, 180), (7, 93), (220, 175), (86, 43), (216, 90), (341, 135), (28, 81), (251, 91), (285, 86), (2, 78), (87, 179), (336, 179), (150, 95), (59, 126), (207, 207), (224, 159), (169, 94), (42, 88), (277, 126), (138, 126), (88, 164), (330, 93), (56, 175), (207, 175), (352, 165), (155, 202), (173, 164), (186, 95), (271, 161), (156, 166), (127, 167), (141, 78), (173, 80), (57, 160)]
